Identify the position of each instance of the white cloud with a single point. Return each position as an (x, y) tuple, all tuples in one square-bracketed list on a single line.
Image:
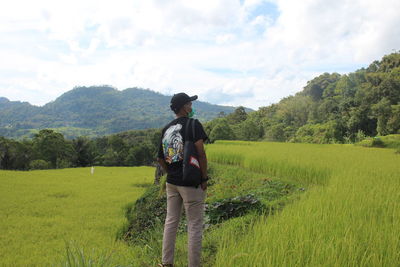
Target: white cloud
[(225, 38), (227, 51)]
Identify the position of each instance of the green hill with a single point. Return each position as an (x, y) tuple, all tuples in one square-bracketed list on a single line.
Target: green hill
[(94, 111), (331, 108)]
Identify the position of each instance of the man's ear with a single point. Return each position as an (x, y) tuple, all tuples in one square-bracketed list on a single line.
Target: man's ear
[(185, 108)]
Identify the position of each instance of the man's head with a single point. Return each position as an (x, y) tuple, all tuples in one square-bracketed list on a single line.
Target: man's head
[(181, 103)]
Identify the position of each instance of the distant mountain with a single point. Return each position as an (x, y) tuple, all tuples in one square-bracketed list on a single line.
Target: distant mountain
[(94, 111)]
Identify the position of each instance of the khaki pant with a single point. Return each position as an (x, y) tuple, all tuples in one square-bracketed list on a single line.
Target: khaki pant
[(193, 202)]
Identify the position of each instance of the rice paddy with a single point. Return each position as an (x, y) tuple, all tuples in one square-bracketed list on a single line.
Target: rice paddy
[(348, 215), (43, 212)]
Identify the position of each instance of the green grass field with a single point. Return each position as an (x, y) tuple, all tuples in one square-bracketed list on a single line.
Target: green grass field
[(347, 215), (42, 211)]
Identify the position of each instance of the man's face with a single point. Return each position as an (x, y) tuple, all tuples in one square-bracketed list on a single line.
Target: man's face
[(188, 107)]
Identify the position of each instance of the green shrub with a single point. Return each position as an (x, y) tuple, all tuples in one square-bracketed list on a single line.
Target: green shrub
[(221, 131), (319, 133), (360, 136), (366, 142), (391, 140), (63, 163), (377, 142), (39, 164), (225, 209)]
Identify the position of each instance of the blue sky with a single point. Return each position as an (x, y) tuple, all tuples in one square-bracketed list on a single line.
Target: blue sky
[(230, 52)]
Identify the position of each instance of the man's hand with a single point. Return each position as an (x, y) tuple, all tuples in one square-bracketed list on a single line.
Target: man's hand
[(204, 186), (163, 164)]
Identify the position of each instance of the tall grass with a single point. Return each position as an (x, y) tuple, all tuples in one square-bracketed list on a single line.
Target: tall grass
[(42, 211), (294, 163), (350, 216), (77, 256)]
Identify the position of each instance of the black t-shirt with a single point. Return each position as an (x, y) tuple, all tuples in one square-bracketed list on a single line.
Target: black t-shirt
[(172, 143)]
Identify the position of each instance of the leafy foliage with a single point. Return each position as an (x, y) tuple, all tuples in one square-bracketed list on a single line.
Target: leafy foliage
[(39, 164), (221, 130), (49, 149), (52, 147), (331, 108)]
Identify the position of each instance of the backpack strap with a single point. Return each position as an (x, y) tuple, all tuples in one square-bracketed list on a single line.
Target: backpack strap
[(187, 129), (193, 131), (190, 121)]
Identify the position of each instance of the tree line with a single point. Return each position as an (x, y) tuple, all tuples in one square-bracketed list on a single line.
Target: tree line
[(49, 149)]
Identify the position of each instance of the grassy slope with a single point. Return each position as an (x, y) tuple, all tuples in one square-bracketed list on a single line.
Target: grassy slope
[(41, 209), (348, 217)]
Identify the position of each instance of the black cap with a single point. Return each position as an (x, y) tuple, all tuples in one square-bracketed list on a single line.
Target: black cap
[(178, 100)]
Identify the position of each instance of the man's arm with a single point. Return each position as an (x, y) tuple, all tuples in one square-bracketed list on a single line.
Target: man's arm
[(163, 164), (202, 160)]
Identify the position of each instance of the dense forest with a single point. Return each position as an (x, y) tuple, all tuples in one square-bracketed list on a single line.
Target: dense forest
[(95, 111), (331, 108)]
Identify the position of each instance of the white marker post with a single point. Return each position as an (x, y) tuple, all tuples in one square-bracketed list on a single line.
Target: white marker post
[(92, 170)]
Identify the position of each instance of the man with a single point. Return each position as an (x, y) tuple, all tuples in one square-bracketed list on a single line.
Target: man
[(170, 157)]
